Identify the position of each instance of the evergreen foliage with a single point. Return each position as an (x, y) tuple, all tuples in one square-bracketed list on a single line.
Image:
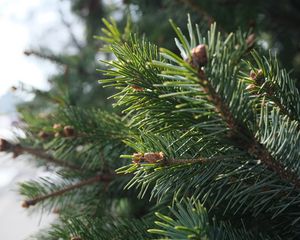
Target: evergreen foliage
[(210, 129)]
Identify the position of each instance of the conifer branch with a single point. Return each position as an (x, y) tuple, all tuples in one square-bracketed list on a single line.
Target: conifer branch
[(160, 159), (269, 90), (241, 136), (41, 154), (199, 160), (18, 149), (169, 162), (93, 180), (283, 109), (57, 60), (49, 57)]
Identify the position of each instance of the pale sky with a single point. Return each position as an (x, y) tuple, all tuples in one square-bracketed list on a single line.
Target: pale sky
[(25, 24)]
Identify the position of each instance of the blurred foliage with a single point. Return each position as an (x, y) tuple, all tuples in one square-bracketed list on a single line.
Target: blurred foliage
[(275, 25)]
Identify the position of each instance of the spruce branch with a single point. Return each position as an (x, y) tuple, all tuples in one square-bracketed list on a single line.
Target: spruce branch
[(160, 159), (41, 154), (190, 220), (270, 95), (18, 149), (241, 135), (199, 160), (221, 88), (99, 227), (50, 57), (65, 62), (273, 83), (99, 178)]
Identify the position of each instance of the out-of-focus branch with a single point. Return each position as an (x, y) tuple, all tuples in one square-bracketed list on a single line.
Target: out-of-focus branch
[(49, 57), (69, 27), (95, 179), (41, 154), (18, 149)]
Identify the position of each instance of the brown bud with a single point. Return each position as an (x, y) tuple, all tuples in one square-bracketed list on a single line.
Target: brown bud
[(4, 145), (28, 203), (57, 126), (258, 76), (137, 157), (43, 135), (25, 204), (199, 55), (69, 131), (252, 74), (137, 88), (56, 211), (153, 157)]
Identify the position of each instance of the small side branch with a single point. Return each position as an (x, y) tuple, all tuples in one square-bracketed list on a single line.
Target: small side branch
[(49, 57), (41, 154), (269, 89), (18, 149), (93, 180)]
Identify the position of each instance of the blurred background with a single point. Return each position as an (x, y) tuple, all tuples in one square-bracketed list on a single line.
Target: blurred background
[(49, 56), (26, 24)]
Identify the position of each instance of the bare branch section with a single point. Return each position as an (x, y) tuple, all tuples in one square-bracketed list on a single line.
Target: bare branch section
[(41, 154), (187, 161), (18, 149), (93, 180), (48, 57), (159, 159)]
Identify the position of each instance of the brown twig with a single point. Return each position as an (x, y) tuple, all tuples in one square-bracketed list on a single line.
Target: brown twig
[(185, 161), (160, 159), (19, 149), (95, 179), (200, 160), (49, 57)]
